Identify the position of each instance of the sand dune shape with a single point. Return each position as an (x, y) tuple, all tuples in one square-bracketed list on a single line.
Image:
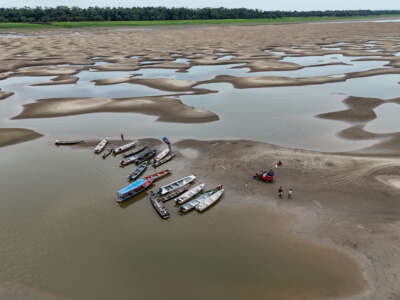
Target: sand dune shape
[(166, 109)]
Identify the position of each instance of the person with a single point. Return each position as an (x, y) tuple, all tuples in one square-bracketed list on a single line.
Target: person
[(122, 137), (290, 193), (218, 187), (165, 140), (279, 164), (280, 192)]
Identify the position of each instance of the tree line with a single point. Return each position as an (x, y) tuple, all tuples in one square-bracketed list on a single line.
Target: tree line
[(64, 13)]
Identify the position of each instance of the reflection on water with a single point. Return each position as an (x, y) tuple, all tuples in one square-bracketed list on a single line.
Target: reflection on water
[(63, 234), (387, 120)]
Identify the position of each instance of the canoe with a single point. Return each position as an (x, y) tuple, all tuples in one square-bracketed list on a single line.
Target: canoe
[(161, 155), (124, 147), (189, 194), (138, 171), (72, 142), (159, 206), (174, 194), (176, 184), (100, 146), (145, 155), (133, 189), (188, 206), (133, 152), (107, 153), (158, 175), (163, 160), (208, 201)]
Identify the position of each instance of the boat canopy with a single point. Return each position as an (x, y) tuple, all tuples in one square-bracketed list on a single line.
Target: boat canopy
[(131, 187)]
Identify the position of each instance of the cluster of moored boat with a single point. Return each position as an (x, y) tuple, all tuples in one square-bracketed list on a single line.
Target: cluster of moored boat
[(185, 196)]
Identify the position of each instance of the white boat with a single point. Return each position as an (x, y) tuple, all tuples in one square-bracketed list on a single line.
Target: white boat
[(125, 147), (100, 146), (189, 194), (210, 200), (188, 206), (161, 155), (176, 184)]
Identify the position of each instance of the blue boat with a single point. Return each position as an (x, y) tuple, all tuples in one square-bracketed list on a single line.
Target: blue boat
[(133, 189)]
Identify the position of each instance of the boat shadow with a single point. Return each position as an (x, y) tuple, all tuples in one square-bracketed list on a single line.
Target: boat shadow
[(133, 200)]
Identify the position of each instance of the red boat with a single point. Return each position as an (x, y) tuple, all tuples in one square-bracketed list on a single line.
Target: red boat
[(157, 175)]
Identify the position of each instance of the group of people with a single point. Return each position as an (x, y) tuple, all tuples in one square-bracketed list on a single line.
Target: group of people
[(289, 193)]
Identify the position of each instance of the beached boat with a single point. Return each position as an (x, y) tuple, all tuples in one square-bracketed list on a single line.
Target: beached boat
[(133, 152), (189, 194), (125, 147), (176, 184), (158, 205), (188, 206), (163, 160), (100, 146), (72, 142), (145, 155), (161, 155), (133, 189), (107, 153), (158, 175), (138, 171), (208, 201), (174, 194)]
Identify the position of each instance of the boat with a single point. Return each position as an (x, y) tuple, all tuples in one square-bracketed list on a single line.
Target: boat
[(174, 194), (107, 153), (124, 147), (158, 175), (208, 201), (188, 206), (158, 205), (161, 155), (176, 184), (145, 155), (163, 160), (72, 142), (127, 161), (133, 189), (133, 152), (100, 146), (138, 171), (189, 194)]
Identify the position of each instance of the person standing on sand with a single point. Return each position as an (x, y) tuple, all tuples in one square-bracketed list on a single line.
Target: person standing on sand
[(165, 140), (122, 137), (290, 193), (280, 192)]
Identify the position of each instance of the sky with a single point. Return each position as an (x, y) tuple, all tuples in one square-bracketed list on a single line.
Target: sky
[(260, 4)]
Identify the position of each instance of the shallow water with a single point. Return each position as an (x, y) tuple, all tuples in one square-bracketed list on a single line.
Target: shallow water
[(387, 120), (63, 235)]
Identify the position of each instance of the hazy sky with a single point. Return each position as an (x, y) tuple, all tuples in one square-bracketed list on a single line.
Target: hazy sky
[(260, 4)]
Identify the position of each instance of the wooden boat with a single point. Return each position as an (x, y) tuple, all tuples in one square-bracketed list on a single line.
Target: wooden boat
[(133, 189), (163, 160), (176, 184), (188, 206), (133, 152), (127, 161), (72, 142), (145, 155), (210, 200), (189, 194), (124, 148), (138, 171), (157, 175), (161, 155), (107, 153), (158, 205), (174, 194)]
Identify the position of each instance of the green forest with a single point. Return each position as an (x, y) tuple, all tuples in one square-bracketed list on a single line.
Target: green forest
[(43, 15)]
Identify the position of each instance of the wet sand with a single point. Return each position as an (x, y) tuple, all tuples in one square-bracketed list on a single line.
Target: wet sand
[(4, 94), (11, 136), (166, 109)]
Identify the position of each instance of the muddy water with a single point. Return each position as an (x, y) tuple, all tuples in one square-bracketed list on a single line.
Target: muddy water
[(63, 237)]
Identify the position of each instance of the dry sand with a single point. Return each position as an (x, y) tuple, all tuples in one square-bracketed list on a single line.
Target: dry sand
[(166, 109), (11, 136)]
